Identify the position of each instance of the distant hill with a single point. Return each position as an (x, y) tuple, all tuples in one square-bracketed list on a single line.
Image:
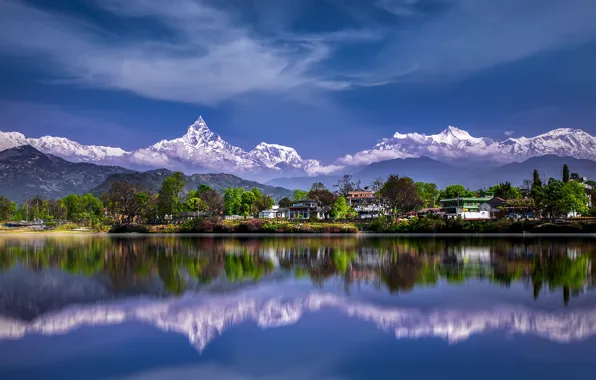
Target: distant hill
[(151, 181), (428, 170), (26, 172)]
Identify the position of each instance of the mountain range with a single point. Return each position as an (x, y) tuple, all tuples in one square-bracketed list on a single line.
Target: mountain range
[(200, 150), (26, 172), (426, 169)]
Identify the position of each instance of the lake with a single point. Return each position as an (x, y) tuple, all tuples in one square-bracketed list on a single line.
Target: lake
[(301, 307)]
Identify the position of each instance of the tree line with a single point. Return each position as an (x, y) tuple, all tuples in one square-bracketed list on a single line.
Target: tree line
[(126, 203)]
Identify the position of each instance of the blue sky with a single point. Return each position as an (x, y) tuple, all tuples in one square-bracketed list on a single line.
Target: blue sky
[(327, 77)]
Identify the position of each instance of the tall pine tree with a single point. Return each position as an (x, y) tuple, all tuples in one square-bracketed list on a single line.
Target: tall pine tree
[(565, 173)]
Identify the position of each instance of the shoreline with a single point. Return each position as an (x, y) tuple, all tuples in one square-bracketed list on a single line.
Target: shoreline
[(292, 234)]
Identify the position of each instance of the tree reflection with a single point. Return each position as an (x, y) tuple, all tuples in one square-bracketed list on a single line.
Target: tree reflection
[(181, 264)]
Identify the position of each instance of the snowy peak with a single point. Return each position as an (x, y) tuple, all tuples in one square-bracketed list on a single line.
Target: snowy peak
[(454, 144), (62, 147), (271, 155)]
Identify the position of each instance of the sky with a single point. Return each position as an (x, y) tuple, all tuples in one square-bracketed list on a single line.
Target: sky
[(327, 77)]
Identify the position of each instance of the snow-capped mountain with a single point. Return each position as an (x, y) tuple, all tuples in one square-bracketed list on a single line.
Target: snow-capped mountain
[(202, 150), (199, 149), (454, 144), (61, 147)]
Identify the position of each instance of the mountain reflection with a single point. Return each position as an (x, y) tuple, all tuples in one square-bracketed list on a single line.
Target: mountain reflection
[(172, 265), (202, 319)]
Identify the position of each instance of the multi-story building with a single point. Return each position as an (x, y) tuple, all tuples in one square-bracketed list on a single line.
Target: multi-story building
[(467, 207), (366, 204), (306, 209)]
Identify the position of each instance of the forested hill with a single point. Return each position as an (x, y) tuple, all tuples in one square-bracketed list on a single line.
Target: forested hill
[(151, 181)]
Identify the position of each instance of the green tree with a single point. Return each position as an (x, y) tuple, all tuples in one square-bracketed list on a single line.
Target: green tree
[(573, 199), (428, 192), (92, 206), (340, 208), (536, 182), (317, 186), (233, 200), (565, 173), (168, 198), (456, 191), (300, 195), (400, 195), (506, 191), (73, 206), (285, 202), (7, 209)]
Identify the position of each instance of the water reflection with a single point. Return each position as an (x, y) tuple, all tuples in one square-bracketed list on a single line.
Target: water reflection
[(170, 266)]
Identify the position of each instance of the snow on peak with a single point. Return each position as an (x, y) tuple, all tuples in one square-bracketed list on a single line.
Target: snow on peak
[(454, 144)]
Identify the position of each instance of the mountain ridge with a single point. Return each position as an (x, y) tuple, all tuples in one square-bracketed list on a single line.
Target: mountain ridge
[(26, 172), (202, 150)]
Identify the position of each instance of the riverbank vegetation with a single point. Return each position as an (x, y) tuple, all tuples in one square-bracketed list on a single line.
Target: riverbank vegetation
[(125, 208)]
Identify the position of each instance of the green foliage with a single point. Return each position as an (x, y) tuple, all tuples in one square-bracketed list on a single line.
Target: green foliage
[(455, 191), (428, 192), (565, 173), (506, 191), (285, 202), (7, 209), (558, 198), (340, 208), (168, 198), (233, 200), (300, 195)]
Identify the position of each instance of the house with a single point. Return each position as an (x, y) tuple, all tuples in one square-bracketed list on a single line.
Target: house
[(471, 208), (429, 211), (274, 213), (365, 203), (306, 209)]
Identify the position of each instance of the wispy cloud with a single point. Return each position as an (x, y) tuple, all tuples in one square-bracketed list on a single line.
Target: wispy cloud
[(210, 57), (209, 54), (509, 133)]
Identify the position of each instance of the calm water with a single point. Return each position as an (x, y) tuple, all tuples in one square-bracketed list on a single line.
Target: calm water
[(296, 308)]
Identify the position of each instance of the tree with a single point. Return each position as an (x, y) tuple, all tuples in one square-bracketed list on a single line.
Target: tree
[(376, 185), (300, 195), (233, 200), (324, 198), (92, 206), (456, 191), (565, 173), (73, 207), (428, 192), (400, 195), (317, 186), (536, 182), (340, 208), (506, 191), (213, 201), (345, 185), (285, 202), (168, 198), (120, 200), (573, 199), (7, 208), (575, 177)]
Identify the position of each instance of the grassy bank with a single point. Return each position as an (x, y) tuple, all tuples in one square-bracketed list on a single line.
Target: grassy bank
[(416, 226), (236, 226), (429, 225)]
